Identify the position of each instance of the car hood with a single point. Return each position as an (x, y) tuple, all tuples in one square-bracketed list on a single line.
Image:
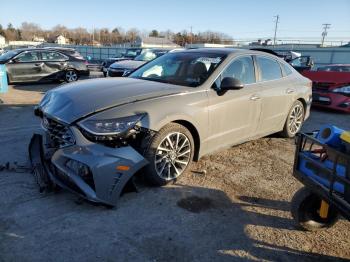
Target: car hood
[(74, 101), (127, 64)]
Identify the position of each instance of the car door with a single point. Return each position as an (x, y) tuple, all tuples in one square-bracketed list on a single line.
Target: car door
[(25, 67), (53, 63), (276, 91), (234, 115)]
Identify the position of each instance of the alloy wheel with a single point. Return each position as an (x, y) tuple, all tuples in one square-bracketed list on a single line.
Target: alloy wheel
[(71, 76), (172, 156), (296, 119)]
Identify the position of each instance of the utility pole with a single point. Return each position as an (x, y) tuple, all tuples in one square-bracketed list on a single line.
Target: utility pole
[(276, 23), (191, 35), (93, 35), (324, 33)]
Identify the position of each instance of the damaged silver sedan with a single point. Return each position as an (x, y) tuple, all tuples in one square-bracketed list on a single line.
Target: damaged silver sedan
[(171, 111)]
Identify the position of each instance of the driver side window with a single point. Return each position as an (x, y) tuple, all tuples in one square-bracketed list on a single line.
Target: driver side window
[(241, 68)]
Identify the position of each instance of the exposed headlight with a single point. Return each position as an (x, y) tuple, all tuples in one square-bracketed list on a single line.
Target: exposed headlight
[(110, 126), (344, 90), (127, 72)]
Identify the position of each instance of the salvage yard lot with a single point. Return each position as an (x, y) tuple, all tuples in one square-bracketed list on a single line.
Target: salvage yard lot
[(237, 210)]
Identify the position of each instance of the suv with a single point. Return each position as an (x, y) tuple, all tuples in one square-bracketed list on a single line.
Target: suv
[(125, 67), (44, 64), (129, 54)]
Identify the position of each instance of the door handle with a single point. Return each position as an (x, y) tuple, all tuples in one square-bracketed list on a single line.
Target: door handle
[(290, 91), (254, 97), (39, 64)]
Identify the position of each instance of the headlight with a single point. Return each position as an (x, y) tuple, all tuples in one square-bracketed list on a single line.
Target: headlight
[(110, 126), (344, 89), (127, 72)]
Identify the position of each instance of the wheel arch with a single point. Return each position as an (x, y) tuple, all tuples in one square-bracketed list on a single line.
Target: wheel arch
[(302, 100), (194, 132)]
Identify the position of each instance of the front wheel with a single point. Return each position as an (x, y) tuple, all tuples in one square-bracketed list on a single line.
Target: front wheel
[(306, 211), (71, 76), (294, 121), (169, 153)]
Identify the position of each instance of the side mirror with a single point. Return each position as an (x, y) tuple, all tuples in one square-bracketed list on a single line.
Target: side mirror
[(231, 83)]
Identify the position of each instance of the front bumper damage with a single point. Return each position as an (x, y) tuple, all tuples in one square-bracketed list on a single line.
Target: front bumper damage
[(95, 172)]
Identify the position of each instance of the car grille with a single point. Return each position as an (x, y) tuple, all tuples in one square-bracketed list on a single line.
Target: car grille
[(60, 134)]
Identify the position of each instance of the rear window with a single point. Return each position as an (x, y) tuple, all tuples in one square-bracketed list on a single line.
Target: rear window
[(269, 69)]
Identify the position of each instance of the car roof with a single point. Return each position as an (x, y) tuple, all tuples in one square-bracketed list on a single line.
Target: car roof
[(43, 49), (227, 51), (224, 51)]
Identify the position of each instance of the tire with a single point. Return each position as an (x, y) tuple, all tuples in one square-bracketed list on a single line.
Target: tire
[(71, 76), (305, 211), (294, 121), (171, 161)]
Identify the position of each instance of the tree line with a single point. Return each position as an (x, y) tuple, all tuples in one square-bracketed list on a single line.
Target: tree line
[(104, 36)]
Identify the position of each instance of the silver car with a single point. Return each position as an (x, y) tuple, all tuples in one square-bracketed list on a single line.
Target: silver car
[(169, 112)]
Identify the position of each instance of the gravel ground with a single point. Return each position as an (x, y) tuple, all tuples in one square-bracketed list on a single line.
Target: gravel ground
[(237, 210)]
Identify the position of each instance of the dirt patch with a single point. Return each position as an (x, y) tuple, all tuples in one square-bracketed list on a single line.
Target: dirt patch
[(195, 204)]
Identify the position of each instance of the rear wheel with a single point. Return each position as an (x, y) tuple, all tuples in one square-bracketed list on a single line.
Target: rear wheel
[(306, 211), (71, 76), (169, 153), (294, 121)]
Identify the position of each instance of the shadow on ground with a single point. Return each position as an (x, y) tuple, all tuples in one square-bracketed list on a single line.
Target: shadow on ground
[(174, 223)]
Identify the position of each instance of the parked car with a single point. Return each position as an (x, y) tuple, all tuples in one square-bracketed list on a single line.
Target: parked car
[(43, 64), (129, 54), (125, 67), (331, 86), (167, 113)]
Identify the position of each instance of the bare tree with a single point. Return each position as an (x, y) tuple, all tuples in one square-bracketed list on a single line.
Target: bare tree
[(31, 30)]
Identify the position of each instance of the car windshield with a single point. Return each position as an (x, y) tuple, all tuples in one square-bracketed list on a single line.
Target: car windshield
[(8, 55), (147, 56), (132, 52), (185, 68)]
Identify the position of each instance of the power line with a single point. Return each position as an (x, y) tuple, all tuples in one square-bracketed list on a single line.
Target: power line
[(324, 33), (276, 23)]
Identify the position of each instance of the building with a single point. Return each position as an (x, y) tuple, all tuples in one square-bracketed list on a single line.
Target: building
[(154, 42), (61, 40), (24, 43), (38, 39), (2, 41)]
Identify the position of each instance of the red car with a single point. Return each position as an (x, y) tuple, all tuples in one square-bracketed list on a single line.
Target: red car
[(331, 86)]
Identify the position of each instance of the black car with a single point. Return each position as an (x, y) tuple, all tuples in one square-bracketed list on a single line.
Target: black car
[(124, 67), (129, 54), (44, 64)]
